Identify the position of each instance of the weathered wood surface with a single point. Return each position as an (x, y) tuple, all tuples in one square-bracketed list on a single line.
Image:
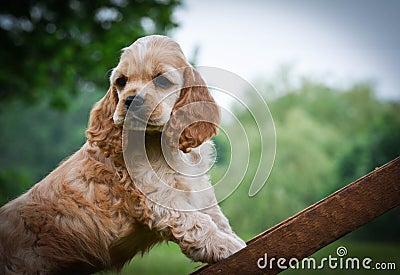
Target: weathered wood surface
[(318, 225)]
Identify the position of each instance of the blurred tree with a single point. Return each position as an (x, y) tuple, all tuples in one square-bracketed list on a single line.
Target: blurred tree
[(35, 139), (52, 49), (326, 138)]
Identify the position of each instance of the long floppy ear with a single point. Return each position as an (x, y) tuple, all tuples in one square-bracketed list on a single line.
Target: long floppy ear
[(195, 115), (101, 131)]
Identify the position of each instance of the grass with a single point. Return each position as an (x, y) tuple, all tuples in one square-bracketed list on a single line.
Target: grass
[(163, 259)]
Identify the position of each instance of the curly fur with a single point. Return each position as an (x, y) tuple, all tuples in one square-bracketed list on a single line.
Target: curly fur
[(90, 215), (101, 131), (205, 125)]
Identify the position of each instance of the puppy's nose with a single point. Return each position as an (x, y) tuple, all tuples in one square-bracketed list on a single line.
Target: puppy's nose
[(136, 100), (128, 101)]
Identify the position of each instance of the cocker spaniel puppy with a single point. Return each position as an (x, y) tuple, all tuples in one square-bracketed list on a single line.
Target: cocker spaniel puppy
[(137, 181)]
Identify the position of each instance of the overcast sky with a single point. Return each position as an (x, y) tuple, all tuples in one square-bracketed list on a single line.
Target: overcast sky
[(339, 41)]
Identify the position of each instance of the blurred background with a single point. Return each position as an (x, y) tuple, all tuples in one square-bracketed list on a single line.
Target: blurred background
[(329, 71)]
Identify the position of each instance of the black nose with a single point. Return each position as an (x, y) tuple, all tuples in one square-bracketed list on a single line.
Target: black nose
[(136, 100)]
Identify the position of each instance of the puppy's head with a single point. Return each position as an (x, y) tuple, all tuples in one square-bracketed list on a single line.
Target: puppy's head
[(154, 81)]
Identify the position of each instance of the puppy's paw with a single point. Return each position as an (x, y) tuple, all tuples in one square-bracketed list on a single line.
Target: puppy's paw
[(218, 247), (235, 245)]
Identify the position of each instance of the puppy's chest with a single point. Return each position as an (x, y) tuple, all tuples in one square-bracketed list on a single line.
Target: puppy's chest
[(163, 178), (152, 175)]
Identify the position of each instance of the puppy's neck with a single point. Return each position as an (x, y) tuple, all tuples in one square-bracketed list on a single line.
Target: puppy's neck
[(153, 140), (140, 144)]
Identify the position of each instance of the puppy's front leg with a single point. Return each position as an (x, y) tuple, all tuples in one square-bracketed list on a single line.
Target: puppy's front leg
[(200, 239), (221, 221)]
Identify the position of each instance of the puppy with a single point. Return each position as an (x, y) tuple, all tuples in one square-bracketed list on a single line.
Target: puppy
[(137, 181)]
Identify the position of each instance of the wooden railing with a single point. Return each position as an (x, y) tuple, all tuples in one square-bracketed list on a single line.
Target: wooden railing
[(318, 225)]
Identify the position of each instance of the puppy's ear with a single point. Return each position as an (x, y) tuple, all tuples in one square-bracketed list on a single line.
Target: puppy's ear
[(195, 115), (101, 131)]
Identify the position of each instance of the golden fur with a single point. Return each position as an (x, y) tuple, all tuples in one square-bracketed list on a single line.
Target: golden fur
[(90, 215)]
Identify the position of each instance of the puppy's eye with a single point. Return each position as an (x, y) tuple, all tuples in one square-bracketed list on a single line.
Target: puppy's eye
[(162, 82), (121, 81)]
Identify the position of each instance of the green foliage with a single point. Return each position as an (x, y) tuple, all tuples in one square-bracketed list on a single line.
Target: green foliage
[(326, 138), (55, 49), (35, 139), (57, 53)]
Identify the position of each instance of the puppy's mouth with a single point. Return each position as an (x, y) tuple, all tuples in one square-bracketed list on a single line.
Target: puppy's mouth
[(136, 122)]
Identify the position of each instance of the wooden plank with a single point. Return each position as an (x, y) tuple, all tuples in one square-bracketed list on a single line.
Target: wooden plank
[(318, 225)]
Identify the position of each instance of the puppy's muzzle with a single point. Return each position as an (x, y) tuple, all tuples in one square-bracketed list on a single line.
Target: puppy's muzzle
[(137, 101)]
